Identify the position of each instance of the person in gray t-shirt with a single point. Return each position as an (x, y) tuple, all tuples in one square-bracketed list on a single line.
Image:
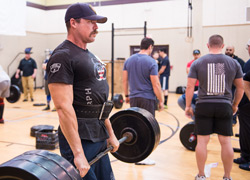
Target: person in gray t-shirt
[(214, 110), (141, 84)]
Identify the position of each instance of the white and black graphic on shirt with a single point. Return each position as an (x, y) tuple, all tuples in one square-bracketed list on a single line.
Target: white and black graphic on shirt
[(215, 79), (55, 67), (99, 69)]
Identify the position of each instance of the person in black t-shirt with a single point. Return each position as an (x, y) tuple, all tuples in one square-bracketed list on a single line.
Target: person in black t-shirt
[(78, 86), (247, 84), (244, 120), (164, 73), (28, 67)]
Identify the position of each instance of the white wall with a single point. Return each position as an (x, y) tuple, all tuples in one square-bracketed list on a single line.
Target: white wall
[(224, 12), (160, 14), (12, 17)]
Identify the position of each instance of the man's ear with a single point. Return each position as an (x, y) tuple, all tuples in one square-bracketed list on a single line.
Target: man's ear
[(72, 22)]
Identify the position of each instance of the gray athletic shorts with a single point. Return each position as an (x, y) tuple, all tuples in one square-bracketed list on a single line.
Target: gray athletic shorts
[(5, 89), (144, 103)]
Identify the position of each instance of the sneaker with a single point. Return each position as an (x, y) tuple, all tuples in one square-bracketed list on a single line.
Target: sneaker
[(32, 99), (1, 121), (46, 109), (54, 109), (146, 162), (25, 100), (245, 166), (165, 106), (200, 177), (224, 178), (240, 160)]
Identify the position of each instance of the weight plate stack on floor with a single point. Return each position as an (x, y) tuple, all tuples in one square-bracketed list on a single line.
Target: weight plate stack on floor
[(145, 132), (47, 139), (38, 165), (36, 128), (188, 137)]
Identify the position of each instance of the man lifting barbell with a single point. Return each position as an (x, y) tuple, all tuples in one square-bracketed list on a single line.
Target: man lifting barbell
[(138, 133), (78, 86)]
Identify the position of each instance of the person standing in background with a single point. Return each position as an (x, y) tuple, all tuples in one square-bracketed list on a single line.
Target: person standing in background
[(214, 109), (196, 54), (141, 82), (230, 52), (46, 88), (164, 73), (244, 120), (28, 68)]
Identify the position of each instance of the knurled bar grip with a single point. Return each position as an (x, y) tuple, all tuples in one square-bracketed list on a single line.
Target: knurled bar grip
[(101, 154)]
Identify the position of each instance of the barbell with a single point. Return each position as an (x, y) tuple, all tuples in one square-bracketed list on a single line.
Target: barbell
[(138, 133), (15, 94)]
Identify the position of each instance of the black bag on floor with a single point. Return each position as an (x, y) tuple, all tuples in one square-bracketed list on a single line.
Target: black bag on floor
[(180, 89)]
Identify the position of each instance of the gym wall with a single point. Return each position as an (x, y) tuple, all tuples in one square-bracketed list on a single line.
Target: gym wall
[(166, 23)]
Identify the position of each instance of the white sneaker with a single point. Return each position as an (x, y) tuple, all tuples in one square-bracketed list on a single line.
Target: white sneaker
[(146, 162), (224, 178), (200, 177)]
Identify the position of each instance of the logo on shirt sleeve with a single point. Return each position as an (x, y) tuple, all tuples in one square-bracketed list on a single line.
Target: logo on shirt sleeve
[(55, 67)]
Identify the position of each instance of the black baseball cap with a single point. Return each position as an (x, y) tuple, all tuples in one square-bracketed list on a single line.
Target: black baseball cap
[(196, 51), (85, 11)]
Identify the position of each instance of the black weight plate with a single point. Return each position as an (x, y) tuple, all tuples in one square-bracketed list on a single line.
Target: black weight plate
[(118, 101), (33, 129), (146, 129), (186, 132), (15, 94), (38, 165)]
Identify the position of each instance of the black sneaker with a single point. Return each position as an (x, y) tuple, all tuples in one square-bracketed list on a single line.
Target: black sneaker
[(32, 99), (245, 166), (25, 100), (46, 109), (240, 160)]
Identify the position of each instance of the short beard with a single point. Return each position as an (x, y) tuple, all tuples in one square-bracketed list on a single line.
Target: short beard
[(231, 55)]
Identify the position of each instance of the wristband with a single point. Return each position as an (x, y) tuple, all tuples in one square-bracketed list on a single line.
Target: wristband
[(126, 95)]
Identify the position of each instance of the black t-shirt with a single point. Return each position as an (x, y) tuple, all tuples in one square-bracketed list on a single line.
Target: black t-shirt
[(27, 66), (70, 64), (247, 76), (165, 62), (73, 65)]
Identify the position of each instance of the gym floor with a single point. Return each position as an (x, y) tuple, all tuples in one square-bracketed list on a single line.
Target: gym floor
[(173, 160)]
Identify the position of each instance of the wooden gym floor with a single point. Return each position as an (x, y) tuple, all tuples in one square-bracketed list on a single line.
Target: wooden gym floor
[(173, 160)]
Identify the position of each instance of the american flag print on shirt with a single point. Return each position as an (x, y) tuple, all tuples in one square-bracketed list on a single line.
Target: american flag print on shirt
[(216, 79)]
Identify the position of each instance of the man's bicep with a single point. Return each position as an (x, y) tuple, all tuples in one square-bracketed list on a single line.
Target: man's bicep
[(238, 82), (191, 81), (154, 79), (61, 93)]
